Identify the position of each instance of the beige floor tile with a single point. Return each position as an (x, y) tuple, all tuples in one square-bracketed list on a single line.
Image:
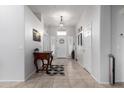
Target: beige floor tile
[(93, 84), (8, 84), (77, 83), (27, 84), (44, 83), (75, 77), (61, 83)]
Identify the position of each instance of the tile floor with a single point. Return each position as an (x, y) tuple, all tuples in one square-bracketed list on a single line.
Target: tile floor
[(75, 77)]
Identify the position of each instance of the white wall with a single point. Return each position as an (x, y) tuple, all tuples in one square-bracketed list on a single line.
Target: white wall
[(31, 22), (16, 42), (118, 41), (91, 15), (100, 19), (96, 43), (11, 43), (105, 42), (17, 45)]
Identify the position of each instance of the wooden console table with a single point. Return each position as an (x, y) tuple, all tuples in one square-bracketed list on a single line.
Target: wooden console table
[(46, 55)]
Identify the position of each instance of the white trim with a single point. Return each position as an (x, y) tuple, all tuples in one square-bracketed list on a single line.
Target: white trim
[(104, 83), (55, 57), (99, 81), (95, 78), (80, 64), (119, 81), (12, 80), (62, 58), (116, 81), (89, 73), (28, 76), (19, 80)]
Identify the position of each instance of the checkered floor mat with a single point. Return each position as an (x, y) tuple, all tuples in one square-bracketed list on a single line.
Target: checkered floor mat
[(56, 70)]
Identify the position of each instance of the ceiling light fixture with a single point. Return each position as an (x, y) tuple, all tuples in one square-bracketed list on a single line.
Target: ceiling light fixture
[(61, 30), (61, 24)]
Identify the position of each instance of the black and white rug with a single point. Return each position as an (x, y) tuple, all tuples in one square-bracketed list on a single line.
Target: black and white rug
[(56, 70)]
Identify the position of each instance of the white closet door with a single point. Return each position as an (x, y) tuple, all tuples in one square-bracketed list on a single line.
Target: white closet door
[(70, 45), (53, 44), (45, 43)]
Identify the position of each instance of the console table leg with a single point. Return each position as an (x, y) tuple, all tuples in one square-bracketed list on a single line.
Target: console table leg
[(35, 63), (47, 65), (51, 59)]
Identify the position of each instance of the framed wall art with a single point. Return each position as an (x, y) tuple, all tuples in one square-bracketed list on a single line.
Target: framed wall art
[(81, 39), (36, 35)]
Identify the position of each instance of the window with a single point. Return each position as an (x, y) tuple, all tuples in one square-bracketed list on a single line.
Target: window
[(61, 33)]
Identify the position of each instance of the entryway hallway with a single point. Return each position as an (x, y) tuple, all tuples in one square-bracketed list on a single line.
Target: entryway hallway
[(88, 34), (75, 77)]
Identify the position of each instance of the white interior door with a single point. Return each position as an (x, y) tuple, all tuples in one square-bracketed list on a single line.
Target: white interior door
[(87, 48), (45, 42), (53, 44), (61, 48), (70, 45)]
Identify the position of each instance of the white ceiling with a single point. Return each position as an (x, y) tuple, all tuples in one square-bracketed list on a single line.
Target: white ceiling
[(52, 13)]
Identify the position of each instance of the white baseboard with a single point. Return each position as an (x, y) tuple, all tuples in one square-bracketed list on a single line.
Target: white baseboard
[(119, 81), (99, 81), (12, 80), (94, 76), (80, 64), (104, 83), (63, 58), (27, 77), (19, 80)]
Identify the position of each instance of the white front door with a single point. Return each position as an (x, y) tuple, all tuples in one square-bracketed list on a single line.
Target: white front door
[(61, 48)]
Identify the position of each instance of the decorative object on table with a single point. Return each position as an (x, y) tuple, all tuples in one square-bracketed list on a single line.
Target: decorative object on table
[(36, 35), (36, 50), (56, 70)]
